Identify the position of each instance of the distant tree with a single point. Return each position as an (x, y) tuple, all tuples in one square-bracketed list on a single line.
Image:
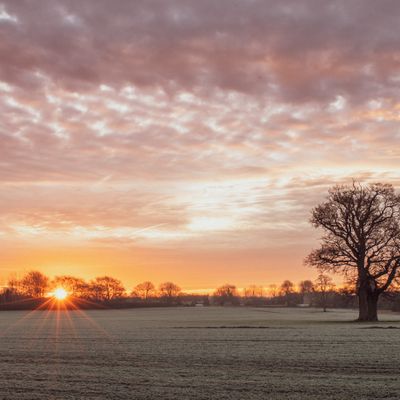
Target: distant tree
[(287, 291), (14, 285), (226, 294), (253, 291), (322, 287), (287, 287), (362, 240), (34, 284), (169, 291), (11, 291), (306, 287), (346, 295), (107, 288), (253, 295), (226, 290), (273, 290), (74, 286), (7, 295), (144, 290)]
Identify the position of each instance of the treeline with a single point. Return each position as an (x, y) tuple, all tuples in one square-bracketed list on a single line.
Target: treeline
[(322, 293), (104, 290), (34, 288)]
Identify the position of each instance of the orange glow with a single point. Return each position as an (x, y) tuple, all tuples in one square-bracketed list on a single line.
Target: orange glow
[(60, 294)]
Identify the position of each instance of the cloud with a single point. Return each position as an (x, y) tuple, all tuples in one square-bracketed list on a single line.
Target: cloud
[(276, 49)]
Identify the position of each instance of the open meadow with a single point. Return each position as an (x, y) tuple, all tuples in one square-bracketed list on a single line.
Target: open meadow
[(198, 353)]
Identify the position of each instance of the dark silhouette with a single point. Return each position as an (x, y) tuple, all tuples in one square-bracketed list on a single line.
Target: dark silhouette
[(362, 239), (306, 286), (253, 291), (253, 295), (76, 287), (287, 291), (273, 290), (34, 284), (226, 295), (144, 290), (306, 289), (108, 292), (107, 288), (169, 291), (323, 287)]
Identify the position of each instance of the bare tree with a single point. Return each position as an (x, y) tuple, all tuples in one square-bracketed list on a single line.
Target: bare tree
[(361, 240), (226, 290), (144, 290), (34, 284), (169, 291), (76, 287), (286, 290), (322, 287), (226, 294), (273, 290), (107, 288), (306, 287), (253, 291), (14, 285)]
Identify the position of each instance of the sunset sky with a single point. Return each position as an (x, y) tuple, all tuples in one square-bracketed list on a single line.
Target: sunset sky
[(188, 140)]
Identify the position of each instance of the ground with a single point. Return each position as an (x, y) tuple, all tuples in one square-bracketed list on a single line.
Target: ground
[(198, 353)]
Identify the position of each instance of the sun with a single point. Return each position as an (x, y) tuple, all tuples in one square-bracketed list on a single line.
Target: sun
[(60, 294)]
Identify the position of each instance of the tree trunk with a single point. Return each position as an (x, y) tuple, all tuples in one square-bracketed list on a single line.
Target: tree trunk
[(367, 304), (362, 304), (373, 306)]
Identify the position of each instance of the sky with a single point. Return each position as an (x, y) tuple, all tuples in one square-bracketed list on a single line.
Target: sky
[(188, 140)]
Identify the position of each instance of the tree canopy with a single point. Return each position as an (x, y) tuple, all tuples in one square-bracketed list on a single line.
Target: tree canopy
[(361, 225)]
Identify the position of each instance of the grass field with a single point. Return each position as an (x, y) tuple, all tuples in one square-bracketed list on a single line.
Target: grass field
[(198, 353)]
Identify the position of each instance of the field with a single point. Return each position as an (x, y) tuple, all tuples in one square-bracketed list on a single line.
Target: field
[(198, 353)]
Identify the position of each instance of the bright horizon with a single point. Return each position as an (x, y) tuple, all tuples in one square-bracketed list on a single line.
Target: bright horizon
[(187, 141)]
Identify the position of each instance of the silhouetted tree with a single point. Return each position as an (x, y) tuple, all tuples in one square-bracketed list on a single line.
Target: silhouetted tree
[(253, 291), (347, 295), (144, 290), (253, 296), (34, 284), (362, 239), (306, 286), (107, 288), (273, 290), (226, 294), (14, 285), (169, 291), (287, 287), (306, 289), (76, 287), (323, 286), (287, 291)]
